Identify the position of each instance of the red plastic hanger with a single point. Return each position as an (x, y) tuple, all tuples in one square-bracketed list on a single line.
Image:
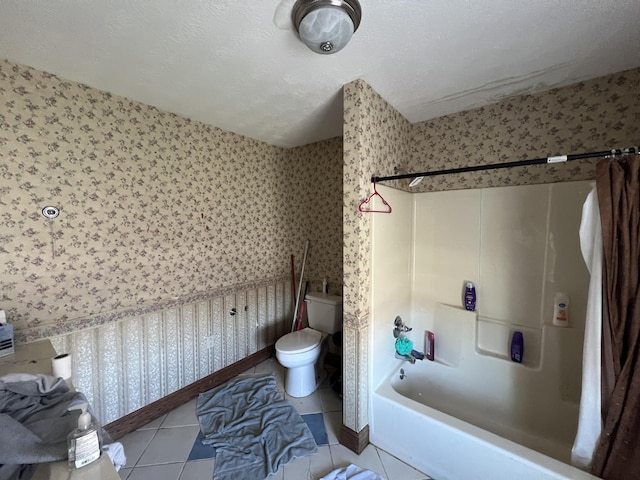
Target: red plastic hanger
[(366, 203)]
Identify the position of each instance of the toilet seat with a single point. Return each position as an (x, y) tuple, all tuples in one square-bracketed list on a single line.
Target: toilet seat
[(299, 342)]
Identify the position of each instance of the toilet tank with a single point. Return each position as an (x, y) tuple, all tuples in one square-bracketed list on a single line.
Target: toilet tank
[(324, 312)]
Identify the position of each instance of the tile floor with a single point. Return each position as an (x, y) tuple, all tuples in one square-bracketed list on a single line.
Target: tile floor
[(166, 449)]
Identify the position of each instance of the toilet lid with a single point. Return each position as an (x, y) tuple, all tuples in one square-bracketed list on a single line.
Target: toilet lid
[(299, 342)]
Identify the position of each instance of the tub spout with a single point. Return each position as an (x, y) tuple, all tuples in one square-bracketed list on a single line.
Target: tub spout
[(408, 358)]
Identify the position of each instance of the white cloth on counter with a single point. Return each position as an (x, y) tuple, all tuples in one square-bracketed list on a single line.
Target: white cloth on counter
[(35, 421), (115, 451), (589, 419), (352, 472), (38, 383)]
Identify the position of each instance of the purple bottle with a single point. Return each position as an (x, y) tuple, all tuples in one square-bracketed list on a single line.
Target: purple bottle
[(517, 347), (470, 297)]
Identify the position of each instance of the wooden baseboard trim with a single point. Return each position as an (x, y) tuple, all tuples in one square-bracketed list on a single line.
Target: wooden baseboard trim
[(354, 441), (120, 427)]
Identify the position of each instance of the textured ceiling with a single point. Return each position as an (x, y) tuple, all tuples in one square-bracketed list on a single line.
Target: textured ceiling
[(238, 65)]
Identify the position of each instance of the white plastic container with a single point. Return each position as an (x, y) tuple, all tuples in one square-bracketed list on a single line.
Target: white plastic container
[(561, 309)]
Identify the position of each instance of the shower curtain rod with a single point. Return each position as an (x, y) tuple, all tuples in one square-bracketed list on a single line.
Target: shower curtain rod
[(518, 163)]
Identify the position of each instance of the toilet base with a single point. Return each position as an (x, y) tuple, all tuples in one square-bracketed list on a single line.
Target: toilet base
[(301, 381)]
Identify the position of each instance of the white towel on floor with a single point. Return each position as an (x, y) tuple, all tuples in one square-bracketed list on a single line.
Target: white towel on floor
[(352, 472), (589, 420)]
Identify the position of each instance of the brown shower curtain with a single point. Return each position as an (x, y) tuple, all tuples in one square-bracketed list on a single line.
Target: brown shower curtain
[(617, 456)]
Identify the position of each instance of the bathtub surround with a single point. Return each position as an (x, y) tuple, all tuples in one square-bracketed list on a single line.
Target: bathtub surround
[(519, 245)]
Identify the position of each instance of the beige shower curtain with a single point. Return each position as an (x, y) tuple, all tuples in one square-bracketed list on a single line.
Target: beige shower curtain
[(617, 456)]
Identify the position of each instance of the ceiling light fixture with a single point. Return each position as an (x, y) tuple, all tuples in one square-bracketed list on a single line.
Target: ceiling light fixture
[(326, 26)]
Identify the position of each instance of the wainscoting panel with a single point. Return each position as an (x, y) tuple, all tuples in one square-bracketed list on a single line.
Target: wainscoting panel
[(132, 362), (280, 309), (173, 349), (216, 333), (263, 326), (123, 366), (271, 312), (229, 329), (154, 345), (189, 341), (241, 325), (252, 321), (109, 346), (205, 362)]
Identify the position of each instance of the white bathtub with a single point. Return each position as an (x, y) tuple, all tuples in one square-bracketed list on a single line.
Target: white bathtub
[(409, 421)]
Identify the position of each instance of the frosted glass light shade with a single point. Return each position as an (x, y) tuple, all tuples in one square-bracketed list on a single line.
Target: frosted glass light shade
[(326, 30)]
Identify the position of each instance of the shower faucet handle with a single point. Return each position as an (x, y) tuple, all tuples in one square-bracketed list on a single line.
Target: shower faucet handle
[(399, 327)]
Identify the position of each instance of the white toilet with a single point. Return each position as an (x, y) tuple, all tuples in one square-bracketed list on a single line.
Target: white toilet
[(303, 352)]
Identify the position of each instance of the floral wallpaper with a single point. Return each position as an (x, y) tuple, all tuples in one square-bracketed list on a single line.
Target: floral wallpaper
[(590, 116), (376, 138), (317, 196), (155, 209)]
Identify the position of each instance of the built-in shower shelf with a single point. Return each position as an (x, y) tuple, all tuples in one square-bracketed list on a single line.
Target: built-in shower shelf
[(493, 339), (506, 358), (437, 361), (551, 325)]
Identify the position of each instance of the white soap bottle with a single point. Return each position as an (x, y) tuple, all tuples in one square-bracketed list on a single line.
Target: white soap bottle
[(84, 443), (561, 309)]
